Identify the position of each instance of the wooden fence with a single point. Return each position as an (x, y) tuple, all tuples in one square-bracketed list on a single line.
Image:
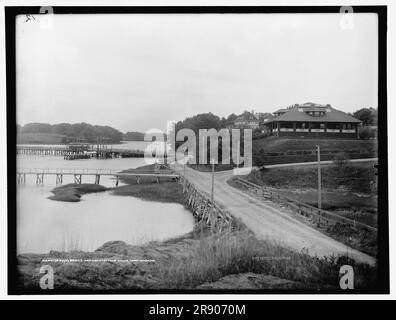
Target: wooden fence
[(204, 209), (316, 214)]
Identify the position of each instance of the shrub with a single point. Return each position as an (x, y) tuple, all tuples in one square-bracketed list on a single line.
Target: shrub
[(341, 159), (366, 133)]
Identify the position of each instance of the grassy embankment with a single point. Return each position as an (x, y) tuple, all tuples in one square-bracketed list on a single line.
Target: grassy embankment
[(282, 144), (277, 150), (349, 191), (199, 260), (273, 150)]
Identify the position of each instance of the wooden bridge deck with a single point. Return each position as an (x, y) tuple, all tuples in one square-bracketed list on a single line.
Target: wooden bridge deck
[(93, 172), (79, 173)]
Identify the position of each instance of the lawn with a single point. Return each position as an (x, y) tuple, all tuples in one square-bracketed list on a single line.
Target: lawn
[(275, 144)]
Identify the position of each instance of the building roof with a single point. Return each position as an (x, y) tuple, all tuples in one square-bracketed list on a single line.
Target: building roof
[(299, 113), (280, 111), (247, 116), (265, 117)]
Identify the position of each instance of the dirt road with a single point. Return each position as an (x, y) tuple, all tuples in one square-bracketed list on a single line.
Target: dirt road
[(267, 222)]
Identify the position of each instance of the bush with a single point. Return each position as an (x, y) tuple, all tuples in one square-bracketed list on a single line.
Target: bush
[(341, 159), (366, 133)]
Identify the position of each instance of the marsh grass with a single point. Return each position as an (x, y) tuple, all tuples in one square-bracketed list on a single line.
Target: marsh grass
[(241, 252), (72, 192)]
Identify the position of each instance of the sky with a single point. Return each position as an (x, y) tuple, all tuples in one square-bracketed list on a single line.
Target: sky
[(135, 72)]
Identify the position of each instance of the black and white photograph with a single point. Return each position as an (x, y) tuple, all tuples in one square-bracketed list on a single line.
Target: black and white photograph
[(197, 150)]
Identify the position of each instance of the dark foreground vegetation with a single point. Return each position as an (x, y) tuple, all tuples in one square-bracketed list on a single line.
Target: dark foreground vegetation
[(197, 261)]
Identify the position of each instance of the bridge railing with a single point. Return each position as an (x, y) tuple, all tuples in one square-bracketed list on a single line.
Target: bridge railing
[(67, 171)]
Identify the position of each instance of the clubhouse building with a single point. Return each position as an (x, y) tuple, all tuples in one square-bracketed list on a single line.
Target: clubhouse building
[(312, 120)]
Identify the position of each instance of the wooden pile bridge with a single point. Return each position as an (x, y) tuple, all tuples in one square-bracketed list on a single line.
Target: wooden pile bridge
[(203, 209), (92, 152), (79, 173)]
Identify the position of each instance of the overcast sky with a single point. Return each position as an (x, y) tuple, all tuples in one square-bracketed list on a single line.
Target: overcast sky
[(135, 72)]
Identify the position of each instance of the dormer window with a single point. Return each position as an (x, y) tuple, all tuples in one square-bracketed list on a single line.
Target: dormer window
[(316, 113)]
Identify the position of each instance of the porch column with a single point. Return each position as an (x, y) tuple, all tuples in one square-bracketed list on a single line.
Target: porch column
[(278, 128)]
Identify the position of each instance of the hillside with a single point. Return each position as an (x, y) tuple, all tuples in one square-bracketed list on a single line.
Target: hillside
[(281, 144), (64, 132), (274, 150)]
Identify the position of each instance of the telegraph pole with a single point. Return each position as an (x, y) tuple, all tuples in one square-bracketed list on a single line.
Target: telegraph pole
[(211, 194), (319, 180)]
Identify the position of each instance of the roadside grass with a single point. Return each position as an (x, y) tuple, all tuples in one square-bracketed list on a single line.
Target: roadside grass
[(208, 167), (346, 191), (352, 177), (72, 192), (347, 204), (349, 191), (241, 252)]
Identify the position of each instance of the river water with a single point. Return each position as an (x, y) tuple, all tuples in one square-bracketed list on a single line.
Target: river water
[(44, 225)]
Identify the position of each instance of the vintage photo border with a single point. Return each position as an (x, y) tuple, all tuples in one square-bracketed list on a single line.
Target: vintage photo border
[(383, 221)]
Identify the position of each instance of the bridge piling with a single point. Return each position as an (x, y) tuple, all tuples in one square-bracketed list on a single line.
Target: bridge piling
[(97, 179), (21, 178), (59, 179), (40, 178), (205, 210), (77, 178)]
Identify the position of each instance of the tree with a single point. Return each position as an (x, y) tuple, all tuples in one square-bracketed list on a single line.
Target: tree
[(366, 133), (231, 119), (82, 130), (134, 136), (368, 116)]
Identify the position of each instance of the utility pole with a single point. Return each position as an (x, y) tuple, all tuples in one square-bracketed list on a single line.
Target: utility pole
[(211, 194), (319, 180)]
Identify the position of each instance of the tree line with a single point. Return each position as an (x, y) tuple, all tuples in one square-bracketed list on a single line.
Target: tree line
[(83, 131)]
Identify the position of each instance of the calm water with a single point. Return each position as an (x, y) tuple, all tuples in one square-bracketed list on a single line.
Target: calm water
[(126, 145), (44, 225)]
